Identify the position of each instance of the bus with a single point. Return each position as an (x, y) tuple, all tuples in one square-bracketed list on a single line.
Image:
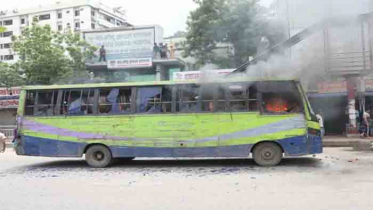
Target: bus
[(265, 119)]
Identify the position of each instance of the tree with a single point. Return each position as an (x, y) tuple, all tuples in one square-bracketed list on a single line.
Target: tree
[(48, 56), (2, 29), (9, 76), (239, 23)]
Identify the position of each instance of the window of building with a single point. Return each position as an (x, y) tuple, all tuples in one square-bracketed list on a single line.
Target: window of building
[(7, 45), (1, 23), (281, 98), (1, 57), (45, 17), (93, 26), (77, 13), (59, 15), (187, 99), (68, 12), (1, 46), (8, 22), (77, 26), (23, 20), (8, 57), (60, 27), (115, 101), (8, 33), (93, 13)]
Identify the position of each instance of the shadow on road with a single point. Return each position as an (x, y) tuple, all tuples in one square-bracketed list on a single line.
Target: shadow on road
[(177, 163)]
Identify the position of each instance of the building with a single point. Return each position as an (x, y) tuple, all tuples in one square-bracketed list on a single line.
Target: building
[(75, 15), (176, 46), (130, 54), (339, 40)]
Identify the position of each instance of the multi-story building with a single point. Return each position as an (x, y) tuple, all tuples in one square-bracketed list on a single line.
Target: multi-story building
[(61, 16), (339, 53)]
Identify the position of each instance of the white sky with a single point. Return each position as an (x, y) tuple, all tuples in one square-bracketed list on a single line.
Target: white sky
[(170, 14)]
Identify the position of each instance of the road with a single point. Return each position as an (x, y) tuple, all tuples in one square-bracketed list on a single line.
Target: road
[(338, 179)]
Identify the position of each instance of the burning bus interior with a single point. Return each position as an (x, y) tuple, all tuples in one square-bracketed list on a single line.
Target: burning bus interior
[(280, 98)]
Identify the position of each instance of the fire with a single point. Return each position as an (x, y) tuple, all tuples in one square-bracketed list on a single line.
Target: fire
[(277, 105)]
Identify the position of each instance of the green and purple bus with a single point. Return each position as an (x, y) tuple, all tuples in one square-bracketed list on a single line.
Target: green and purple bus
[(265, 118)]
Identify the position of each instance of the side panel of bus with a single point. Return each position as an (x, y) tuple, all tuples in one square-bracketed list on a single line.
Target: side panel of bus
[(225, 134)]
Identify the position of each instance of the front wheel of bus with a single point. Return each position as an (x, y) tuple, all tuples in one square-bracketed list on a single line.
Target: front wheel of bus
[(98, 156), (267, 154)]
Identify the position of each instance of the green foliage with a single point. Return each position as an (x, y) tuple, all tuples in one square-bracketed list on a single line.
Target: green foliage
[(9, 76), (237, 23), (2, 29), (48, 56)]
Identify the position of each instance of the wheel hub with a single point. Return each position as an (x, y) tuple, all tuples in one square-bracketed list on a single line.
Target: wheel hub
[(267, 154), (99, 156)]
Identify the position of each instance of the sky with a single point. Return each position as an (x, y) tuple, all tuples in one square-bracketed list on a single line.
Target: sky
[(170, 14)]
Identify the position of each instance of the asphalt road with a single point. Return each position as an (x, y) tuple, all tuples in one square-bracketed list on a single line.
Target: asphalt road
[(338, 179)]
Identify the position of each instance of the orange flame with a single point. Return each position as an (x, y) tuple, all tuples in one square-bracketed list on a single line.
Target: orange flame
[(277, 105)]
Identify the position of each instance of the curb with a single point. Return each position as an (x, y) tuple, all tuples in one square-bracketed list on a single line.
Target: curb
[(361, 144)]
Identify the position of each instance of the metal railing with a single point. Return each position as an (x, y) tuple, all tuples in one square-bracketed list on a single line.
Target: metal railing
[(350, 62), (8, 131)]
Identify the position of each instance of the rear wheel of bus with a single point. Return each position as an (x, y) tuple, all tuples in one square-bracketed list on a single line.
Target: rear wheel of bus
[(267, 154), (98, 156)]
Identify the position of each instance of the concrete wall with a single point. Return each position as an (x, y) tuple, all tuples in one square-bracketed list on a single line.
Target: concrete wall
[(7, 116)]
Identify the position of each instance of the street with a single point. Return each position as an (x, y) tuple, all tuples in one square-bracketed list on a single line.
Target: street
[(338, 179)]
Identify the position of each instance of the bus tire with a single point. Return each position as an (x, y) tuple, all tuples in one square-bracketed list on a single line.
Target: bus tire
[(267, 154), (98, 156)]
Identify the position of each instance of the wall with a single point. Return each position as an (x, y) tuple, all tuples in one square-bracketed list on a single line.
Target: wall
[(7, 116)]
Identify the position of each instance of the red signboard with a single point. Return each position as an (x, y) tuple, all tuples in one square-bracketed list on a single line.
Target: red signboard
[(7, 103), (10, 91), (12, 103), (332, 87)]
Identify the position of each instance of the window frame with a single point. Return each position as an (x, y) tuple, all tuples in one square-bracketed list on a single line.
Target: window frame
[(44, 17), (263, 111), (8, 22)]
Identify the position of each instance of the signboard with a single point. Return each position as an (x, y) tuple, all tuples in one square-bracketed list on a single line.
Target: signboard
[(368, 85), (194, 75), (9, 97), (332, 87), (122, 49)]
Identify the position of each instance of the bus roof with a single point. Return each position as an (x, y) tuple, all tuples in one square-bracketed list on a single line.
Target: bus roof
[(152, 83)]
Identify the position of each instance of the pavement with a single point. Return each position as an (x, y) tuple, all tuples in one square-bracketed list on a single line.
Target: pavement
[(353, 141), (338, 179)]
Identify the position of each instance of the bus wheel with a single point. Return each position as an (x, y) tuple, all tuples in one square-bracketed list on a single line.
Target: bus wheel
[(267, 154), (98, 156)]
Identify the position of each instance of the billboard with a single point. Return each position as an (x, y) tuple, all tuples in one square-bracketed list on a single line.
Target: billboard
[(9, 97), (122, 49), (194, 75)]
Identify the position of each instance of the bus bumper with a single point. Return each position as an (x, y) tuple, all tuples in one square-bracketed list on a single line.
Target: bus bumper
[(302, 145)]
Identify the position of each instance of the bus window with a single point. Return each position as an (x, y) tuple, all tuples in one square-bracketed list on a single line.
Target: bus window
[(166, 99), (237, 97), (281, 98), (75, 103), (88, 96), (44, 102), (207, 98), (30, 102), (253, 98), (189, 98), (124, 101), (149, 100), (115, 101), (221, 100)]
